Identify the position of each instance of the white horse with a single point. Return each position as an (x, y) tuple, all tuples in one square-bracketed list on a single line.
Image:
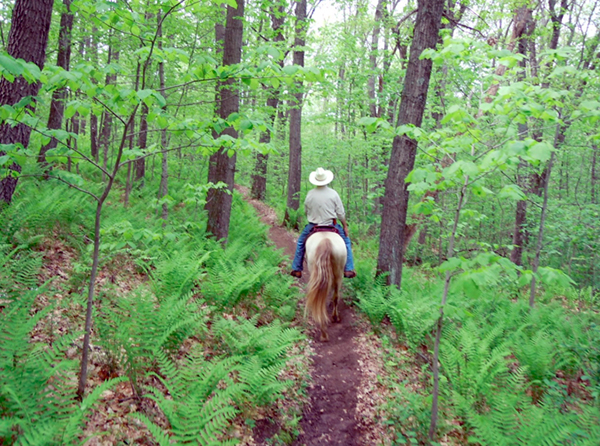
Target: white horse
[(326, 257)]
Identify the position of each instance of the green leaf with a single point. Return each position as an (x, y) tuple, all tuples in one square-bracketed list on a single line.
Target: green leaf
[(70, 111), (290, 70), (143, 94), (274, 53), (68, 177), (552, 276), (11, 64), (512, 191), (541, 151)]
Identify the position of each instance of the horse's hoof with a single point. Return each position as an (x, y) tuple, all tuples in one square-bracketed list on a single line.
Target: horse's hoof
[(324, 338), (337, 319)]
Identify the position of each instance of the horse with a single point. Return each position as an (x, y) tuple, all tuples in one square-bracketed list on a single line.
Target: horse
[(326, 257)]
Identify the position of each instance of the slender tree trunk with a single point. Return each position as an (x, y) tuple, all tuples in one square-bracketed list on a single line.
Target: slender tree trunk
[(221, 165), (95, 260), (381, 4), (140, 163), (440, 321), (57, 106), (295, 160), (94, 152), (107, 117), (521, 21), (536, 260), (27, 40), (259, 178), (164, 177), (593, 175), (412, 106)]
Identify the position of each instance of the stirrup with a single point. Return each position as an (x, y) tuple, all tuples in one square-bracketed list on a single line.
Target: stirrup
[(349, 274), (297, 274)]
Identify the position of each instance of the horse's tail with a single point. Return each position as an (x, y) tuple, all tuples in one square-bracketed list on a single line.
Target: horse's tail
[(320, 283)]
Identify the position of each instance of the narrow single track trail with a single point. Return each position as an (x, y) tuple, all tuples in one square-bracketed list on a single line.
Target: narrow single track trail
[(338, 369)]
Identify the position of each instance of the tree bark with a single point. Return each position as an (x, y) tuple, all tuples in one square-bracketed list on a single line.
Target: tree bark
[(94, 152), (524, 22), (105, 133), (221, 165), (402, 160), (259, 179), (373, 58), (63, 59), (140, 163), (27, 40), (295, 160), (164, 176)]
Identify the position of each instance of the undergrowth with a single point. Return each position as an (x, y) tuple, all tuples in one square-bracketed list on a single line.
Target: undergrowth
[(200, 329), (510, 375)]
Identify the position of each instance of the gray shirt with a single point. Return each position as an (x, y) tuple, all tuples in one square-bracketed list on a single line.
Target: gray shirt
[(322, 205)]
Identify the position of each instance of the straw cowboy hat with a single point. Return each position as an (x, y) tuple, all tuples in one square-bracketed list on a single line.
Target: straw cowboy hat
[(321, 177)]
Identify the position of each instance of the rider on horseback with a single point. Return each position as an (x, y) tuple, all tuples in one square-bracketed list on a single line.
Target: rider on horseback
[(323, 207)]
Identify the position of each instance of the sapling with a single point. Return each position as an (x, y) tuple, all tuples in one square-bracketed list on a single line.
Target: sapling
[(440, 321)]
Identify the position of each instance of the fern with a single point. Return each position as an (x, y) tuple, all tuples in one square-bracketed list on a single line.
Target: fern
[(263, 355), (37, 386), (199, 407), (228, 280), (177, 274), (152, 326), (19, 268), (512, 421), (374, 303), (473, 364), (413, 316)]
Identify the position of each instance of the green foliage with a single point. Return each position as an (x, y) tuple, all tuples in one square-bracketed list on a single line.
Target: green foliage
[(43, 209), (229, 278), (19, 268), (154, 325), (37, 383), (264, 351), (199, 406), (204, 396), (511, 420)]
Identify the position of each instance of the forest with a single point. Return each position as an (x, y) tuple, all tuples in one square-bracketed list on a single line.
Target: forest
[(150, 148)]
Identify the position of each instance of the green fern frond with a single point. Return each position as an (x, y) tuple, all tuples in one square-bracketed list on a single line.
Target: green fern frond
[(198, 408)]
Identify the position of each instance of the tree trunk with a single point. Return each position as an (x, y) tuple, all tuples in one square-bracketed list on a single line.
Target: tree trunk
[(94, 152), (105, 133), (27, 40), (140, 163), (593, 175), (259, 179), (519, 232), (373, 58), (164, 176), (221, 165), (402, 160), (295, 160), (57, 106)]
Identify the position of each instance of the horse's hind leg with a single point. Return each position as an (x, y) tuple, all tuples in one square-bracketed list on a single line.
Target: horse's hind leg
[(324, 334), (335, 317)]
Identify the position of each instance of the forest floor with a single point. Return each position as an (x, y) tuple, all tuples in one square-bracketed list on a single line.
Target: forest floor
[(344, 394)]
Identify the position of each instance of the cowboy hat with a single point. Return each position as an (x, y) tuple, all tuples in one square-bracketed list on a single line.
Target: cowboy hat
[(321, 177)]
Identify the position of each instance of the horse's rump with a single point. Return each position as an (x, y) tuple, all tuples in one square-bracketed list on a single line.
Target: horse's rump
[(326, 257)]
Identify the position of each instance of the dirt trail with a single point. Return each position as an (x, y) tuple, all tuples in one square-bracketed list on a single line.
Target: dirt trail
[(337, 368)]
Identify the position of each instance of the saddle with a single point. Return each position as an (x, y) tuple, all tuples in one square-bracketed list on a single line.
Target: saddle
[(323, 229)]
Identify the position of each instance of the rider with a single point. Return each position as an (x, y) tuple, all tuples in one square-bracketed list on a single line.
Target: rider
[(322, 207)]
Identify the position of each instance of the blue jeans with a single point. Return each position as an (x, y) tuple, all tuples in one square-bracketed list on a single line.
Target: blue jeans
[(301, 248)]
